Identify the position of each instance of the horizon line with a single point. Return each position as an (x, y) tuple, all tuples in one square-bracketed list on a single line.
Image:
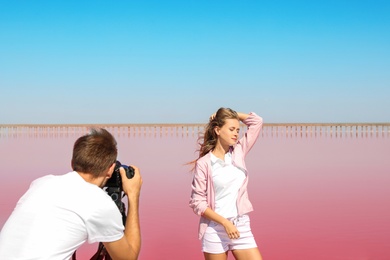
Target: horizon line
[(188, 124)]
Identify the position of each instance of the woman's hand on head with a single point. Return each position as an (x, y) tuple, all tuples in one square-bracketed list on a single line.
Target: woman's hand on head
[(212, 116)]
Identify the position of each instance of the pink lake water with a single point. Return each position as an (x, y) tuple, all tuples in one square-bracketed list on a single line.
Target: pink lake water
[(317, 195)]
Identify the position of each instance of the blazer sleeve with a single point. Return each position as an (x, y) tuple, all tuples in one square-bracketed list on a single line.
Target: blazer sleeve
[(198, 201), (254, 124)]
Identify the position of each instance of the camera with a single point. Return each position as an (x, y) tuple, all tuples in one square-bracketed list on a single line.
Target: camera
[(114, 184), (116, 181)]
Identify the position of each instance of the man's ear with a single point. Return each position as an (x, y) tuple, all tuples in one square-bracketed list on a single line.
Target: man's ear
[(110, 170)]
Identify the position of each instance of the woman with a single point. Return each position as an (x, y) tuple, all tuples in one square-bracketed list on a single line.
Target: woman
[(219, 187)]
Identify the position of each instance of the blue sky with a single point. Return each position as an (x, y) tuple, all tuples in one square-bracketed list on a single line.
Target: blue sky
[(179, 61)]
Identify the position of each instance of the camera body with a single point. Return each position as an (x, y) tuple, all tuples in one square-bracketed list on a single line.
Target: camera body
[(116, 181), (114, 184)]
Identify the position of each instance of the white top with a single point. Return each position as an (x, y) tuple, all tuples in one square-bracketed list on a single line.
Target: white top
[(56, 216), (227, 180)]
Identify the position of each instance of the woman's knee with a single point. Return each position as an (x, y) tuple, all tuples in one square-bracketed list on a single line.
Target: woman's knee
[(246, 254)]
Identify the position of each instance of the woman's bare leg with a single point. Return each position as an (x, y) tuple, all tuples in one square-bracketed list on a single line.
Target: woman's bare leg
[(247, 254), (222, 256)]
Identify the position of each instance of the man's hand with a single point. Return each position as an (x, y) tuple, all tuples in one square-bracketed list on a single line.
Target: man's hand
[(131, 187)]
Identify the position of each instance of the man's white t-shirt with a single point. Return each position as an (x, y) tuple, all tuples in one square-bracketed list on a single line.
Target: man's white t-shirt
[(56, 216)]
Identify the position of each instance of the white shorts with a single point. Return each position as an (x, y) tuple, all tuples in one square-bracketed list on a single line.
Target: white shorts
[(216, 240)]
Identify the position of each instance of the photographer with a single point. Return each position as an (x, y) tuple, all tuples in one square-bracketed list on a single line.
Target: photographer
[(59, 213)]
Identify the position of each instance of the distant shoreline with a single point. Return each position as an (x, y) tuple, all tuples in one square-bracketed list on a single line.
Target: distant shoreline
[(271, 129), (188, 125)]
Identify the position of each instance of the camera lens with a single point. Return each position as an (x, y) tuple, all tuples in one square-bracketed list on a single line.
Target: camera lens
[(115, 196)]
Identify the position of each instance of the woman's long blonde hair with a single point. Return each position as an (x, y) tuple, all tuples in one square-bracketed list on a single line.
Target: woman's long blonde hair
[(208, 139)]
